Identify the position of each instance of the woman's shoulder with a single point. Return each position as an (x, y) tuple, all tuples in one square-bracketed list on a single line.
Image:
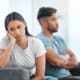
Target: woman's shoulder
[(4, 39), (4, 42)]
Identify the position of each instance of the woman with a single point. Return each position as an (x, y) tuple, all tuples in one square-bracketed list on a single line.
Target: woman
[(19, 48)]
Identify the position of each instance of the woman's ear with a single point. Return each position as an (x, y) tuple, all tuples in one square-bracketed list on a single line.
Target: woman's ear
[(7, 32)]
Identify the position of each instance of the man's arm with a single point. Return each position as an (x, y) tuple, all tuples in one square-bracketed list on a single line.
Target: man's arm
[(55, 59), (72, 63)]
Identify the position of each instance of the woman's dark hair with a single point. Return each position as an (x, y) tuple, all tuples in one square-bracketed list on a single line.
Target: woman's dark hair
[(15, 16)]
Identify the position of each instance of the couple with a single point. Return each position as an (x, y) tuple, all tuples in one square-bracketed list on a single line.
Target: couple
[(20, 48)]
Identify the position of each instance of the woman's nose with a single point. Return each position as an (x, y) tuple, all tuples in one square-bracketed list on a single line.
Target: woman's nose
[(17, 32)]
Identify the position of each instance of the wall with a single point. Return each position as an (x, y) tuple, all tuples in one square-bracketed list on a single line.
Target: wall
[(74, 24), (3, 12)]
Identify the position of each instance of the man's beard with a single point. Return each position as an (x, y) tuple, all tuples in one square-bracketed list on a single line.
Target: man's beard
[(51, 29)]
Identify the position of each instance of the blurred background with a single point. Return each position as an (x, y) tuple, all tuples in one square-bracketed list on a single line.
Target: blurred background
[(68, 12)]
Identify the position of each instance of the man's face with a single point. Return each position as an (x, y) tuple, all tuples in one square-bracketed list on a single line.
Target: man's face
[(52, 24)]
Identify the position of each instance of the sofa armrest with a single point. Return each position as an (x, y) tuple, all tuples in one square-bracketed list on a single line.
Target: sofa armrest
[(14, 74)]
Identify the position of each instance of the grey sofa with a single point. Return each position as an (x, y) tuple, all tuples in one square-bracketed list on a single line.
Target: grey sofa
[(12, 73)]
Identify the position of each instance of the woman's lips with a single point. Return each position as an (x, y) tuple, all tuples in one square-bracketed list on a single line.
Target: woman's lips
[(18, 36)]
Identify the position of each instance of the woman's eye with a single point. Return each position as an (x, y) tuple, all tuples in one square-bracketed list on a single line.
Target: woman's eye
[(19, 27), (12, 29)]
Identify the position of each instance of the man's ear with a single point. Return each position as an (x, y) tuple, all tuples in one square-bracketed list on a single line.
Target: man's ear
[(44, 22)]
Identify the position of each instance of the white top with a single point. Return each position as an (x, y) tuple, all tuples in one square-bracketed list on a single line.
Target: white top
[(25, 57)]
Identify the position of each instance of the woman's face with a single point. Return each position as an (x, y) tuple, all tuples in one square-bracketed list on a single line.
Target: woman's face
[(17, 29)]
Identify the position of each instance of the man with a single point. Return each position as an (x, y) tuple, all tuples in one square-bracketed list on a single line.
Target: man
[(59, 58)]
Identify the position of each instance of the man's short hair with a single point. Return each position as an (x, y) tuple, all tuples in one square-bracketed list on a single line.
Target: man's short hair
[(45, 12)]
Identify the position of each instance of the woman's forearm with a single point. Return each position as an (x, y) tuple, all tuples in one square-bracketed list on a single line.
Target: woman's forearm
[(40, 68), (5, 56)]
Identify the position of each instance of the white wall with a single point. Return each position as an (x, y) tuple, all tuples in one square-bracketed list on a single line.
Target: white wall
[(3, 12), (74, 26)]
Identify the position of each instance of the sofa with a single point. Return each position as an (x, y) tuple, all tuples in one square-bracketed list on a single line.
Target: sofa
[(13, 73)]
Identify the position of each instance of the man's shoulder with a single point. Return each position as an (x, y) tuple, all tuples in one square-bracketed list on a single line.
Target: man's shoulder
[(58, 37), (42, 37), (34, 40)]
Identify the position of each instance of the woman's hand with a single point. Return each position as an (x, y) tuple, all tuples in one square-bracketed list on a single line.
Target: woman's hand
[(37, 78), (11, 38)]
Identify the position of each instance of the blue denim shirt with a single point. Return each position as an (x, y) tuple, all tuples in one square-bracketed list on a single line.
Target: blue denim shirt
[(58, 44)]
